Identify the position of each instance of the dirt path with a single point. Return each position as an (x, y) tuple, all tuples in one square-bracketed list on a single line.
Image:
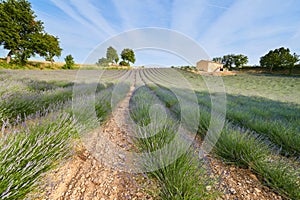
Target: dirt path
[(88, 177)]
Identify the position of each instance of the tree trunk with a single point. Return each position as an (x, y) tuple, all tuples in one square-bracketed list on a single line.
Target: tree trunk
[(291, 70), (8, 58), (271, 69), (23, 59)]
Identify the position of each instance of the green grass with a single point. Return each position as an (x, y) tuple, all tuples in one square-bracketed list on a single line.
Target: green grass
[(276, 88)]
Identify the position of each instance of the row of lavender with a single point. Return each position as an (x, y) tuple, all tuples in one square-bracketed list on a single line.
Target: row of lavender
[(39, 125), (250, 138), (168, 157)]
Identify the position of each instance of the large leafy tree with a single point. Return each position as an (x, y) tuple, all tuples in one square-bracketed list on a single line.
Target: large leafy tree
[(240, 60), (280, 57), (231, 60), (22, 34), (228, 61), (128, 55), (112, 55)]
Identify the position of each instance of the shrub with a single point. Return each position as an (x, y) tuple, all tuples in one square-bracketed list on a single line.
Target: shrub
[(124, 63), (69, 62)]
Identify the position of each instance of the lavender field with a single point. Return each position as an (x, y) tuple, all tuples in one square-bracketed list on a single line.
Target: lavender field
[(45, 115)]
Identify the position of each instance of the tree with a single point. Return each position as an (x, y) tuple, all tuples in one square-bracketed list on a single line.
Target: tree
[(280, 57), (22, 34), (46, 46), (217, 59), (112, 55), (124, 63), (292, 60), (69, 62), (49, 47), (231, 60), (128, 55), (240, 60), (228, 61), (102, 61)]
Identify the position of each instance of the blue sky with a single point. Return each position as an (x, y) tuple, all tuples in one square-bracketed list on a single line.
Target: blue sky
[(250, 27)]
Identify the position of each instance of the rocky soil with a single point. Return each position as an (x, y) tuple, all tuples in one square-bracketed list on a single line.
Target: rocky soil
[(239, 184)]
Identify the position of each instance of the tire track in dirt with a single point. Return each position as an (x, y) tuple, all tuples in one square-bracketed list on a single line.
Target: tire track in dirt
[(88, 176)]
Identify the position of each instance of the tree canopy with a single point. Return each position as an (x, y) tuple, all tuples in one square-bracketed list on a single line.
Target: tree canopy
[(102, 61), (231, 60), (280, 57), (128, 55), (22, 34), (124, 63), (69, 62), (217, 59), (112, 55), (240, 60), (228, 61), (49, 47)]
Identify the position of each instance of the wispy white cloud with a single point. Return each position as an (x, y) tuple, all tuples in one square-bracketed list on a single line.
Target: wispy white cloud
[(187, 15), (250, 26), (138, 14), (85, 13), (217, 6), (75, 37), (93, 16), (80, 29)]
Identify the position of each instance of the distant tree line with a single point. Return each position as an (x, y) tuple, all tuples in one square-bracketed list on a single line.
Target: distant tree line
[(277, 58), (112, 57)]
